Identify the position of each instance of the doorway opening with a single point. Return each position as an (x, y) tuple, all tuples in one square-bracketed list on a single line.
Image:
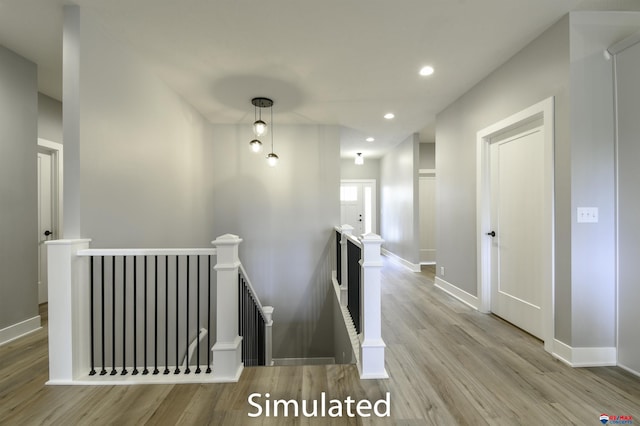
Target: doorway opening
[(49, 168), (358, 205)]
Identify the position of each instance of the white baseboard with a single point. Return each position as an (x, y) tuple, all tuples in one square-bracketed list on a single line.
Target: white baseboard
[(463, 296), (20, 329), (413, 267), (304, 361), (584, 357), (630, 370)]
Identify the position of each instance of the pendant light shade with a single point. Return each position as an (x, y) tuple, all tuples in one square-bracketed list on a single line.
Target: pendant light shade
[(260, 128), (359, 159), (272, 159), (256, 145)]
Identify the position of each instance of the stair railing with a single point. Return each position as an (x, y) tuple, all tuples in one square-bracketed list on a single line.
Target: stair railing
[(125, 316)]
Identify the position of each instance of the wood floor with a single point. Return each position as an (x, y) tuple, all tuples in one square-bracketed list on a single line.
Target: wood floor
[(449, 365)]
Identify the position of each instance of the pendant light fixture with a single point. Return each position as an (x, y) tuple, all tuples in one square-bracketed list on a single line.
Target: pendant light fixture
[(359, 159), (260, 128)]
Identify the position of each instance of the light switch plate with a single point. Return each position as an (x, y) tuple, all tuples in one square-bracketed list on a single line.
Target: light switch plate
[(587, 215)]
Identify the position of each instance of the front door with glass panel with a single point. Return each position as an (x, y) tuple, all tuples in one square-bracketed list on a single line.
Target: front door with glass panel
[(357, 205)]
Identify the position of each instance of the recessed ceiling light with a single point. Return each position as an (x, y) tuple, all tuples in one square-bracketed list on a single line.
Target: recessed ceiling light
[(428, 70), (370, 139), (389, 115)]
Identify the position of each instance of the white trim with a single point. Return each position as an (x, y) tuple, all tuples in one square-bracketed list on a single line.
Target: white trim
[(584, 357), (160, 379), (413, 267), (466, 298), (562, 352), (634, 372), (304, 361), (623, 44), (149, 252), (20, 329), (427, 171), (542, 110)]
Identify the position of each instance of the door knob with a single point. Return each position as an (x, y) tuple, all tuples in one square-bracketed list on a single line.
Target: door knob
[(492, 233), (47, 233)]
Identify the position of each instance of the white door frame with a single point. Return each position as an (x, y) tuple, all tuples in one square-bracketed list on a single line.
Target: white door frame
[(374, 199), (56, 151), (541, 111)]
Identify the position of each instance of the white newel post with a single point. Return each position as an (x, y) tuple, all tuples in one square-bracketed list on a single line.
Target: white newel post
[(68, 274), (372, 346), (268, 335), (227, 351), (344, 279)]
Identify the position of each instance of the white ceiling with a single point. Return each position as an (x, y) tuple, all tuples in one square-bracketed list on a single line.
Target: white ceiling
[(344, 62)]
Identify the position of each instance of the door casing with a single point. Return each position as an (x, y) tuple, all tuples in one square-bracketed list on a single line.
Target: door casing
[(543, 111)]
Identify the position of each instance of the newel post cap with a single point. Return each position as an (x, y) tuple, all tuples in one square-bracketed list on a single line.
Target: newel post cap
[(227, 239), (347, 229), (371, 238)]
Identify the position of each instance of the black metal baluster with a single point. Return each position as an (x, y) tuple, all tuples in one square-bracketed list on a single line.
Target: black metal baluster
[(177, 370), (155, 306), (103, 371), (135, 316), (146, 370), (124, 315), (186, 355), (93, 370), (198, 317), (166, 314), (209, 318), (113, 316)]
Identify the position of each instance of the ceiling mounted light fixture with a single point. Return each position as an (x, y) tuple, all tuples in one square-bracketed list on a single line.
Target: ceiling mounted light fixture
[(370, 139), (359, 159), (260, 128), (427, 70), (389, 115)]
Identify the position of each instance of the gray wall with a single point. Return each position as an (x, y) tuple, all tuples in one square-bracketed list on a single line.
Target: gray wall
[(427, 156), (399, 200), (538, 71), (49, 118), (138, 149), (18, 189), (286, 217)]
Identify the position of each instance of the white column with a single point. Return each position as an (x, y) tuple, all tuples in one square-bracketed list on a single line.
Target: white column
[(69, 338), (371, 346), (268, 335), (227, 351), (346, 230)]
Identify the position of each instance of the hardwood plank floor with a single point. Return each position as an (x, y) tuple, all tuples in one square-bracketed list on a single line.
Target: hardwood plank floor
[(449, 365)]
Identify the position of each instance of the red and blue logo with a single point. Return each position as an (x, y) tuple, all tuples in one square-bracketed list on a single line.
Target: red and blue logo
[(616, 420)]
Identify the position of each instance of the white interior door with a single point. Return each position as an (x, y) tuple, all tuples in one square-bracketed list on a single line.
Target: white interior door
[(427, 219), (517, 218), (45, 218)]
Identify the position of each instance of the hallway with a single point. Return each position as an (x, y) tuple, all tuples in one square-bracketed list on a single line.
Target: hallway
[(448, 364)]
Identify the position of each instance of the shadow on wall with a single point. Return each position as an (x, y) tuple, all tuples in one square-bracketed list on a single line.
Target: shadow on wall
[(313, 328)]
